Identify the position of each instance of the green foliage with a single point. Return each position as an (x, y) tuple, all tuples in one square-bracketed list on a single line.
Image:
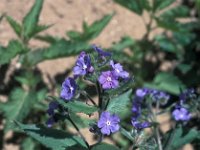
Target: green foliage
[(18, 106), (167, 82), (136, 6), (177, 138), (30, 21), (119, 103), (52, 138), (90, 32), (15, 25), (29, 144), (8, 53), (78, 107), (160, 4), (104, 146)]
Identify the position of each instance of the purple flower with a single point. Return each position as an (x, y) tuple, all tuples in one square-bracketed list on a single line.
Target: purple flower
[(142, 92), (160, 96), (108, 80), (140, 125), (118, 70), (68, 89), (136, 109), (187, 94), (108, 123), (181, 114), (101, 53), (83, 65), (50, 122), (52, 106)]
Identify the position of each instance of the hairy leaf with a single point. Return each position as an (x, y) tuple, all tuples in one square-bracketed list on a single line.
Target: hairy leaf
[(18, 106), (92, 31), (15, 25), (7, 54), (30, 21), (133, 5), (53, 138), (160, 4), (104, 146), (78, 107), (167, 82), (61, 48), (119, 103)]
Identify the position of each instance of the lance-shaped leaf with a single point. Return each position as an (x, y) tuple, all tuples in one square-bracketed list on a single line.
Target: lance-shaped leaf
[(60, 48), (119, 103), (7, 53), (167, 82), (18, 106), (78, 107), (30, 21), (92, 31), (53, 138), (160, 4), (15, 25)]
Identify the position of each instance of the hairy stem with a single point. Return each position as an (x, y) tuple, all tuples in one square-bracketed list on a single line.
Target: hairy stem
[(77, 129)]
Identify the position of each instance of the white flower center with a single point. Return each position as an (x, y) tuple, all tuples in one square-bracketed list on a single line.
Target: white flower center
[(71, 88), (117, 70), (108, 79), (108, 123), (84, 67)]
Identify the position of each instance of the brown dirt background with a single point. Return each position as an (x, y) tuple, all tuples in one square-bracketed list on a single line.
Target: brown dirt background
[(68, 15)]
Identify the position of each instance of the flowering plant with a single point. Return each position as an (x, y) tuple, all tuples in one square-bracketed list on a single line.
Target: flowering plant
[(117, 112)]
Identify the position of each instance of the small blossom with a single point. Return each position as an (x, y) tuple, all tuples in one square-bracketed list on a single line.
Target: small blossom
[(142, 92), (108, 80), (181, 114), (68, 89), (100, 52), (108, 123), (187, 94), (118, 70), (140, 125), (52, 106), (50, 122), (136, 109), (83, 65)]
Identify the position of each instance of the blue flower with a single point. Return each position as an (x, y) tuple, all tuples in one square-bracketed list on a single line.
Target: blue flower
[(187, 94), (140, 125), (101, 53), (108, 123), (108, 80), (52, 106), (50, 122), (181, 114), (83, 65), (68, 89), (118, 70)]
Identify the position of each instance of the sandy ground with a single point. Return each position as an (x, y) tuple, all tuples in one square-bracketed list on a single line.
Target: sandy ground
[(68, 15)]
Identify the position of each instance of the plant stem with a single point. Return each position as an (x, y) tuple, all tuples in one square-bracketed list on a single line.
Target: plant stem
[(77, 129), (88, 96), (157, 128)]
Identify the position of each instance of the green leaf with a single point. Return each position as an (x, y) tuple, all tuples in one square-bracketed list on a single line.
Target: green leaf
[(15, 26), (104, 146), (53, 138), (47, 38), (176, 12), (7, 54), (92, 31), (60, 48), (167, 82), (78, 107), (119, 103), (122, 44), (161, 4), (40, 28), (184, 68), (177, 138), (30, 21), (133, 5), (166, 44), (18, 106), (28, 144), (126, 134)]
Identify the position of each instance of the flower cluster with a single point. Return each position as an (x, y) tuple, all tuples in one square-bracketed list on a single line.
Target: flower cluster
[(180, 113), (51, 112), (136, 109), (110, 79)]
